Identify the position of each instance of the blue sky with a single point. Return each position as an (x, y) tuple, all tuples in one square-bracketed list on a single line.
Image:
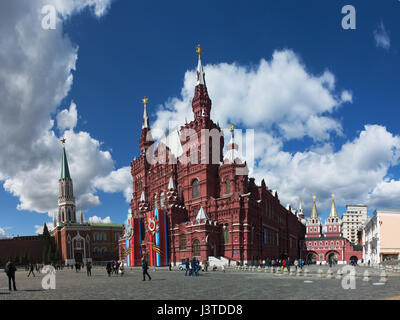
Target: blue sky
[(138, 48)]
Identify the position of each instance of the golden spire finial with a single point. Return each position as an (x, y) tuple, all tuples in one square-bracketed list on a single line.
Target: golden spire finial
[(199, 51), (63, 141), (232, 127), (314, 197), (145, 100), (333, 195)]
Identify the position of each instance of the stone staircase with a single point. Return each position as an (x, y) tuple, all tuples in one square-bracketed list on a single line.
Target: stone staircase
[(217, 261)]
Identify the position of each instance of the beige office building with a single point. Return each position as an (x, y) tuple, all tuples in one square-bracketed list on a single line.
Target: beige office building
[(381, 236), (354, 217)]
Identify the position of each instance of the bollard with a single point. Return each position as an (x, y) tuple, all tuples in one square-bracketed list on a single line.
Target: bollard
[(273, 270), (285, 271), (259, 269), (339, 274), (329, 274), (367, 277), (320, 273), (384, 276), (292, 272), (299, 272), (306, 272)]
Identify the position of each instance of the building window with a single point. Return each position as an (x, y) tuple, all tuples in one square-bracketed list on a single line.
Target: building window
[(155, 202), (162, 200), (196, 248), (180, 194), (182, 242), (228, 186), (265, 236), (225, 234), (195, 189), (117, 236)]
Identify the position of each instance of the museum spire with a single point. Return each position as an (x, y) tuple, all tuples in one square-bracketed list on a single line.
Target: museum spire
[(333, 212), (314, 212)]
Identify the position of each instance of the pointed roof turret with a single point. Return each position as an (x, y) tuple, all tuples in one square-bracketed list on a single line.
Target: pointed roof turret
[(64, 165), (145, 116), (314, 212), (171, 184), (333, 212), (201, 215), (201, 103), (200, 71), (232, 154), (143, 197), (81, 220)]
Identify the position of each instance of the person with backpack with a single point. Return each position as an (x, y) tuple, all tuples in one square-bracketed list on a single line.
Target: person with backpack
[(145, 267), (109, 268), (10, 271), (89, 269), (31, 270), (187, 266)]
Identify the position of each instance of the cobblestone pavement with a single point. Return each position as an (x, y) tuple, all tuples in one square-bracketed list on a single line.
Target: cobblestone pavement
[(173, 285)]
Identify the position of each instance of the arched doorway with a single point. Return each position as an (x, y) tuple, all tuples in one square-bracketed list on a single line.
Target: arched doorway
[(78, 257), (332, 257), (213, 249), (353, 260)]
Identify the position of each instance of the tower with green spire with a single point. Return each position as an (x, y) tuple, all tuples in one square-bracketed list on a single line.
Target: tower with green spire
[(66, 199)]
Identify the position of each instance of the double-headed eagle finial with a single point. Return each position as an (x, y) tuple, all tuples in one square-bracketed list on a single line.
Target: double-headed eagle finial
[(63, 141), (199, 50), (145, 100)]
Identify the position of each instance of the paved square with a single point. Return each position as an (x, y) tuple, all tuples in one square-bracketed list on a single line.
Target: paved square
[(173, 285)]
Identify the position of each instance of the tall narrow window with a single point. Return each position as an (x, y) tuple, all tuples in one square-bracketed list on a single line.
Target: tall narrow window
[(182, 242), (162, 200), (196, 248), (180, 194), (195, 189), (228, 186), (155, 202)]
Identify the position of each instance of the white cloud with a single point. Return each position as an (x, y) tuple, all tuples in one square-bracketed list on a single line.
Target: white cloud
[(3, 234), (67, 119), (96, 219), (382, 37), (280, 93), (282, 101), (35, 76), (39, 228), (117, 181)]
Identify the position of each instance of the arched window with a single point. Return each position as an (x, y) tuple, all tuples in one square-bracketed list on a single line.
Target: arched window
[(225, 234), (180, 194), (182, 242), (228, 186), (162, 200), (195, 189), (196, 248)]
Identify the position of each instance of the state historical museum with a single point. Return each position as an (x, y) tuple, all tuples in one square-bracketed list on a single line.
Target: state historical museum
[(191, 206)]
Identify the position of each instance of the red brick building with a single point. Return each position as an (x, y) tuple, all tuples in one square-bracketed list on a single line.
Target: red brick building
[(18, 249), (330, 246), (212, 207)]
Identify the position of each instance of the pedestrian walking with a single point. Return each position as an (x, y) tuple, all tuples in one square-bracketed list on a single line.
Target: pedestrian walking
[(31, 268), (296, 263), (89, 269), (170, 266), (187, 266), (223, 268), (193, 265), (109, 268), (145, 267), (121, 269), (10, 271)]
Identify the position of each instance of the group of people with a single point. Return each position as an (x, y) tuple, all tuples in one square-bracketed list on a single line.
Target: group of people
[(192, 267), (115, 267)]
